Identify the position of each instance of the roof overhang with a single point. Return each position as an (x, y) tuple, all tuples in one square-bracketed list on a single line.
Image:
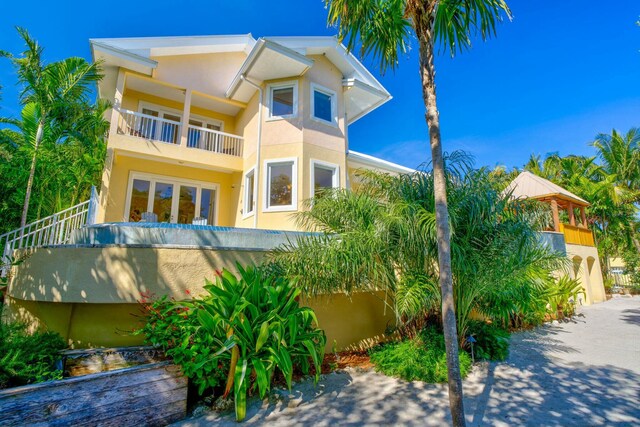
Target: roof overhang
[(361, 98), (365, 161), (266, 61)]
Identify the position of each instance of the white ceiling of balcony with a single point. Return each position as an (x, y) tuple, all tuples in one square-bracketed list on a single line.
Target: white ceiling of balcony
[(172, 93), (267, 61)]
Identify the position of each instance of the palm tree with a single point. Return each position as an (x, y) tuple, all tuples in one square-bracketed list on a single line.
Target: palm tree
[(620, 156), (49, 92), (384, 28)]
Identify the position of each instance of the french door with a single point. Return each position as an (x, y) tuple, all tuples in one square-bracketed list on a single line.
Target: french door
[(171, 200)]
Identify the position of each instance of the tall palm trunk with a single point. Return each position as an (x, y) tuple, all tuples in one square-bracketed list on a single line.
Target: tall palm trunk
[(424, 30), (32, 172)]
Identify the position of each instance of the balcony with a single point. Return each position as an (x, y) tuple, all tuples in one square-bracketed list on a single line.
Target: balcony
[(158, 129), (166, 140), (574, 235)]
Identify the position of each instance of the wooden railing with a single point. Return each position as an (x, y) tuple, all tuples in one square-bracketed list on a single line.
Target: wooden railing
[(577, 235)]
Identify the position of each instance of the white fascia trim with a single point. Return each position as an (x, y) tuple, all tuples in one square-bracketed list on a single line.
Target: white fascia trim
[(248, 63), (122, 54), (226, 42), (360, 68), (326, 165), (294, 186), (334, 104), (384, 96), (330, 42), (376, 162)]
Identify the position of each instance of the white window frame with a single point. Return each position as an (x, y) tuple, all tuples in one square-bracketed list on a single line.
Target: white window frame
[(246, 202), (282, 85), (326, 165), (266, 194), (154, 178), (334, 104)]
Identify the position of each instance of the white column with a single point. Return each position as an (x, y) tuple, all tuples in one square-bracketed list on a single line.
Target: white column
[(186, 112), (117, 102)]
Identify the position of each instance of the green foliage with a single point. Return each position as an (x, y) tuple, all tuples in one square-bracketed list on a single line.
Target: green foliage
[(384, 28), (171, 326), (69, 153), (422, 358), (382, 236), (562, 296), (250, 325), (492, 342), (28, 357)]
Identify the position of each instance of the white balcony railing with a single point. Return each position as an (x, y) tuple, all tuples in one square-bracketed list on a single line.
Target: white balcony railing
[(148, 127), (52, 230), (158, 129), (214, 141)]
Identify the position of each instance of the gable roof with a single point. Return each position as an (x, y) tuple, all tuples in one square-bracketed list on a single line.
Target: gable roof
[(265, 58), (530, 186)]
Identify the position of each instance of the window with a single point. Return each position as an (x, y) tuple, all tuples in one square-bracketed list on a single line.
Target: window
[(323, 104), (249, 187), (323, 176), (283, 100), (282, 186), (171, 200)]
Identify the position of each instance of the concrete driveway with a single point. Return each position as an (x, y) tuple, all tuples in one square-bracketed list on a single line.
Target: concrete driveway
[(579, 373)]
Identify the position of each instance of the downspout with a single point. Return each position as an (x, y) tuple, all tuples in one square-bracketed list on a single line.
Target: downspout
[(256, 173)]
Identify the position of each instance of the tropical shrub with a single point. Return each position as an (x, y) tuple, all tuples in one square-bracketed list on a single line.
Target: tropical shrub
[(171, 326), (422, 358), (247, 327), (382, 236), (562, 296), (491, 341), (28, 357)]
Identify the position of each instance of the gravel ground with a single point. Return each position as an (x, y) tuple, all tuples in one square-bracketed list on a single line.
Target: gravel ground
[(582, 372)]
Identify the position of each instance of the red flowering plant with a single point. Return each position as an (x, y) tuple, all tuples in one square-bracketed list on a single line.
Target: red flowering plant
[(171, 326)]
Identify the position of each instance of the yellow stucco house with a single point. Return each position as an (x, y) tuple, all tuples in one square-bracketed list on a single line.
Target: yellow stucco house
[(228, 129), (214, 142)]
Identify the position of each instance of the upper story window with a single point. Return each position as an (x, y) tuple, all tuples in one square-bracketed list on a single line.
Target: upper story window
[(283, 100), (281, 181), (323, 176), (323, 105)]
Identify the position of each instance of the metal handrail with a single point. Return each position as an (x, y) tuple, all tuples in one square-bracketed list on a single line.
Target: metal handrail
[(53, 230)]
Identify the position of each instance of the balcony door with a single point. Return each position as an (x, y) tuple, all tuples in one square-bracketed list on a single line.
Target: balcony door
[(167, 129), (171, 200)]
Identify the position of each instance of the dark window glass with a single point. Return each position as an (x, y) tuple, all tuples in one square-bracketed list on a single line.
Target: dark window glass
[(322, 106), (280, 184), (322, 178), (282, 102), (139, 199)]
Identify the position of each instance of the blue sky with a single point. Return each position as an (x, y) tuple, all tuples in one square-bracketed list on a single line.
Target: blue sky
[(558, 74)]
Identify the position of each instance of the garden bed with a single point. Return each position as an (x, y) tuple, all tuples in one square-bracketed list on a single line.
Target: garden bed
[(149, 394)]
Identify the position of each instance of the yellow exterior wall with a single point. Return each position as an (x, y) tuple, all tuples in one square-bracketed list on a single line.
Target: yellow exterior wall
[(115, 193), (89, 294), (131, 101), (586, 268)]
